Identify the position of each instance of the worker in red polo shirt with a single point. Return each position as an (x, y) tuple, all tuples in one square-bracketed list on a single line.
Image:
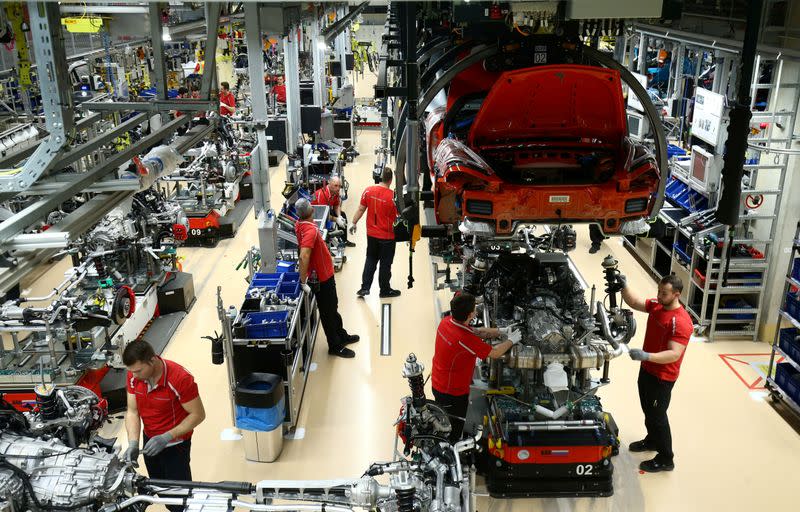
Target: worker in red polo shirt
[(330, 195), (669, 327), (377, 202), (316, 268), (164, 399), (458, 346), (227, 101)]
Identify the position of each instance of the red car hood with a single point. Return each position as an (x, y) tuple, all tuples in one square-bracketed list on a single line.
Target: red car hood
[(552, 102)]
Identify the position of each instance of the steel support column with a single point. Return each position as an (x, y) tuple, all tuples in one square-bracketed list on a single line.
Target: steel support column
[(56, 96), (260, 154), (159, 71), (291, 67), (318, 47), (210, 59), (412, 99)]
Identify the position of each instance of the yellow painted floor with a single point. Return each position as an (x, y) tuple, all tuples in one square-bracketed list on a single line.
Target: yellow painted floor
[(734, 450)]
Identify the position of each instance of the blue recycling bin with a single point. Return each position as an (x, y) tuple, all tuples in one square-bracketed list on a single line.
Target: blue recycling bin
[(260, 410)]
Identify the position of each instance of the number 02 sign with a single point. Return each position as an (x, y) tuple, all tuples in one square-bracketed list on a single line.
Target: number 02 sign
[(708, 109)]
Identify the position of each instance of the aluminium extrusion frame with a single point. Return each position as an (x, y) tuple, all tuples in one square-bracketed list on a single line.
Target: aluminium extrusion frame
[(57, 102)]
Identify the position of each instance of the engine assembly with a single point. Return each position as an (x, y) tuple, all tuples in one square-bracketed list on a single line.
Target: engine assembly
[(547, 434), (39, 471)]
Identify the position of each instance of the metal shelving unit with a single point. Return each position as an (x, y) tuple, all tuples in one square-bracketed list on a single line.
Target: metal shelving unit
[(696, 248), (784, 317)]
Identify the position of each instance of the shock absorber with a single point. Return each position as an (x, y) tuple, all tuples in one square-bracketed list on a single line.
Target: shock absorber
[(100, 267), (47, 401), (412, 370), (405, 498)]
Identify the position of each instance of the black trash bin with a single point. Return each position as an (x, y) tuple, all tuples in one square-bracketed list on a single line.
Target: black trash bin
[(260, 410)]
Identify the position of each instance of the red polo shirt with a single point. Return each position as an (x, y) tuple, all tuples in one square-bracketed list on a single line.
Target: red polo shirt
[(280, 93), (160, 408), (226, 98), (308, 236), (324, 196), (457, 347), (663, 326), (381, 211)]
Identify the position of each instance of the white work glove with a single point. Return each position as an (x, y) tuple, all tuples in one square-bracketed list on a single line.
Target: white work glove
[(341, 222), (132, 453), (156, 444), (353, 229), (512, 334), (305, 287)]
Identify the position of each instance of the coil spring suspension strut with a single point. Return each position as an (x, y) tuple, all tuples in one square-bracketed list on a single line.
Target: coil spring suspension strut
[(412, 370), (100, 267), (47, 401), (405, 499)]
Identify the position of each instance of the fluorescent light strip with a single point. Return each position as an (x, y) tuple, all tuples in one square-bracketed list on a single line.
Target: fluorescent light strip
[(386, 330)]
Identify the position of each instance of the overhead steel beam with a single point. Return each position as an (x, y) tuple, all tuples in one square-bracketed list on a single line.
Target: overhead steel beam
[(56, 96), (332, 31), (210, 55), (85, 149), (181, 145), (24, 218), (76, 223), (188, 105), (19, 156), (72, 226)]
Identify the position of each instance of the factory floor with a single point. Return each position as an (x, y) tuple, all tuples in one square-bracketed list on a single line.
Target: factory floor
[(734, 450)]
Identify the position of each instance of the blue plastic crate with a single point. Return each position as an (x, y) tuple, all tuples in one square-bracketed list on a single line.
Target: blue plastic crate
[(286, 266), (673, 150), (796, 269), (267, 275), (262, 285), (788, 379), (290, 277), (267, 324), (792, 305), (289, 290), (788, 342)]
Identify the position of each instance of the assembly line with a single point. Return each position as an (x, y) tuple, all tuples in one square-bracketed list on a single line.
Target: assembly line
[(581, 219)]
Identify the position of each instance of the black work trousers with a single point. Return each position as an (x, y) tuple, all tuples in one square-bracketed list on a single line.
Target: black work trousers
[(328, 306), (378, 251), (456, 409), (596, 235), (171, 464), (654, 395)]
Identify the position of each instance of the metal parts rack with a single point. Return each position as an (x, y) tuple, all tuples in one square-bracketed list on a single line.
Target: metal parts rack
[(288, 356), (784, 384)]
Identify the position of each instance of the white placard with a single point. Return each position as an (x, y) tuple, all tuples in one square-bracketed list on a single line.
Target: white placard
[(633, 100), (707, 120)]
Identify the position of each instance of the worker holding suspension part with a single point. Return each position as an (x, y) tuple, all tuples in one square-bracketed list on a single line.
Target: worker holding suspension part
[(457, 347), (316, 268), (669, 327), (377, 202), (164, 399), (330, 196)]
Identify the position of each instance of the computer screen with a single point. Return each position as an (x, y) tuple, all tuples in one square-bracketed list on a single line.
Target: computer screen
[(635, 126)]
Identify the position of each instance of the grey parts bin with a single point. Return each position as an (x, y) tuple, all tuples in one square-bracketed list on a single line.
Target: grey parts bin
[(260, 411)]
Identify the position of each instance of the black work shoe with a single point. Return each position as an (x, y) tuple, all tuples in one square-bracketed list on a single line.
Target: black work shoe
[(352, 338), (342, 351), (640, 446), (349, 244), (390, 293), (654, 466), (362, 292), (593, 249)]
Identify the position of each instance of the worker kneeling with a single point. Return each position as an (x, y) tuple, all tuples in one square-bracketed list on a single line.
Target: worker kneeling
[(457, 347)]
